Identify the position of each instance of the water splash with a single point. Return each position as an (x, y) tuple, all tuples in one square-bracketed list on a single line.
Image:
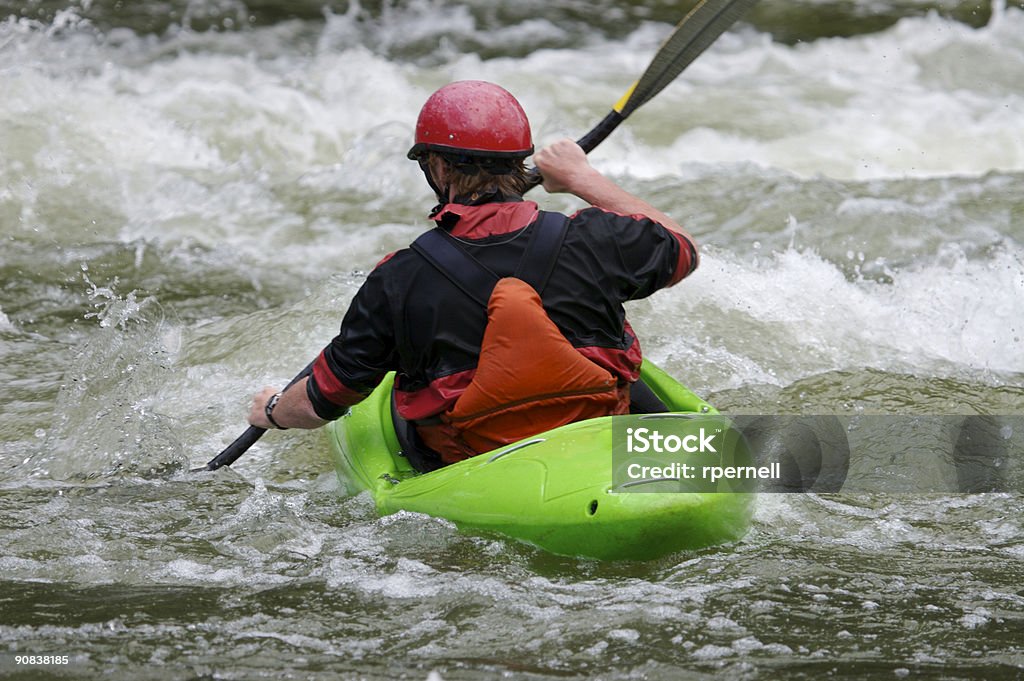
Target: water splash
[(112, 309), (107, 416)]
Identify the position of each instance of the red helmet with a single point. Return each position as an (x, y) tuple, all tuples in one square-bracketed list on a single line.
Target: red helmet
[(475, 118)]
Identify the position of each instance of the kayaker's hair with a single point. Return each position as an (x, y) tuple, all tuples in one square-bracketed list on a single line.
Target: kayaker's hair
[(512, 181)]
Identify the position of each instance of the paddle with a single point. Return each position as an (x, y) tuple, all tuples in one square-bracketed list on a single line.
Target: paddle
[(694, 34), (247, 439)]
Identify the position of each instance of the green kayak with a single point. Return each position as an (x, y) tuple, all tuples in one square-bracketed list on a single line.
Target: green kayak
[(562, 490)]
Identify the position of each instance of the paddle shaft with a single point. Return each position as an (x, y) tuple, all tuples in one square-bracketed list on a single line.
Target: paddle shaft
[(247, 439), (698, 29)]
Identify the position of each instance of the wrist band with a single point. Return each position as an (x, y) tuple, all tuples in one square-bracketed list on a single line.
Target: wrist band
[(269, 411)]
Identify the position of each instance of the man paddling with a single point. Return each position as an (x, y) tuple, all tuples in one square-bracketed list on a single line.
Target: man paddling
[(503, 320)]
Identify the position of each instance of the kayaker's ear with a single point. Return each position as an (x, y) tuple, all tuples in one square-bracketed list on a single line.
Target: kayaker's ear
[(438, 169), (435, 171)]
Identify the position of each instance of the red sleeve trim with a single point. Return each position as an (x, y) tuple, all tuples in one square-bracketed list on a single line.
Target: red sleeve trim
[(687, 262), (385, 259), (332, 389)]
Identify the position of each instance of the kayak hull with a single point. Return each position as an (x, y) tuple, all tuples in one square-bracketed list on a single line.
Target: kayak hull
[(555, 490)]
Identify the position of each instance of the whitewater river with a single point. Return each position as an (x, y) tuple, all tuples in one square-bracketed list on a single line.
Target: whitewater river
[(191, 192)]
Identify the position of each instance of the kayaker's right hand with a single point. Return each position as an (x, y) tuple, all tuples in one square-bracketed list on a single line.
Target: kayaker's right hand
[(564, 166), (292, 410), (257, 410)]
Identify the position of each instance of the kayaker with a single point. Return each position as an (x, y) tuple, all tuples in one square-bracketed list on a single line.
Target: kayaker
[(481, 358)]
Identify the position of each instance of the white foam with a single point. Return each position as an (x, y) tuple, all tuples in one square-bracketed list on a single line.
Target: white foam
[(261, 153), (793, 314), (199, 146), (927, 97)]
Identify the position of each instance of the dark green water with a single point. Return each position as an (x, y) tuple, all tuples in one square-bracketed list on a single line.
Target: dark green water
[(190, 193)]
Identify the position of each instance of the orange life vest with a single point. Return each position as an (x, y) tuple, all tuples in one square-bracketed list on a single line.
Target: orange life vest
[(529, 377)]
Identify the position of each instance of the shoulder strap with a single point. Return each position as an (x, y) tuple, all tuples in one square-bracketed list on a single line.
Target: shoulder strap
[(541, 253), (474, 279), (451, 260)]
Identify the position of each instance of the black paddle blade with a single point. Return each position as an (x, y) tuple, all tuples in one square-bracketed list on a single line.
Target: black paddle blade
[(694, 34)]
